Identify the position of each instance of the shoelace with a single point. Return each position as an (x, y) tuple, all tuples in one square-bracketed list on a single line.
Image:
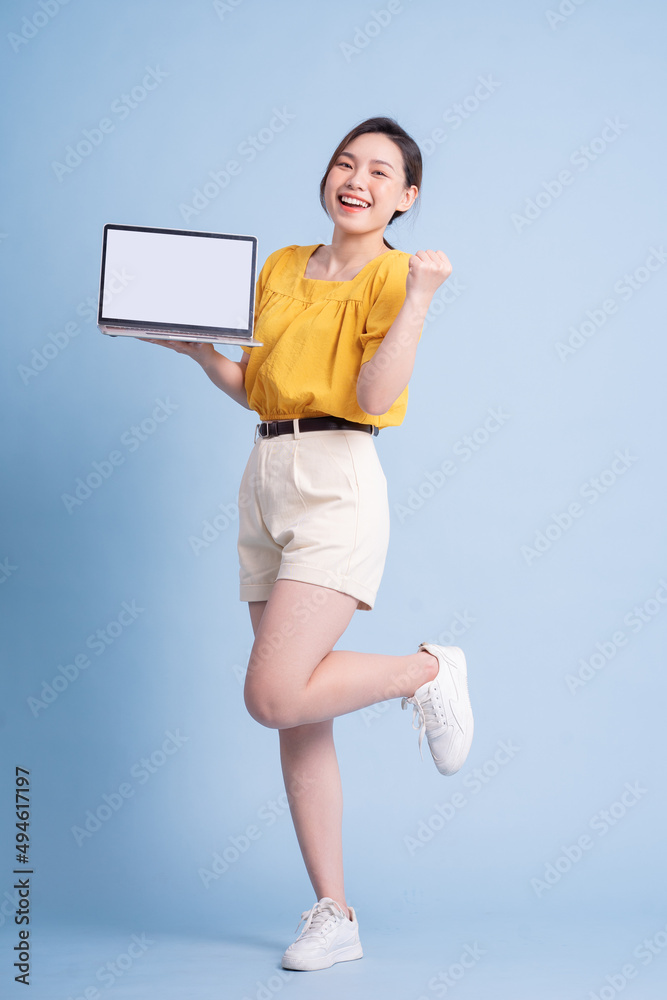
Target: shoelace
[(426, 712), (318, 917)]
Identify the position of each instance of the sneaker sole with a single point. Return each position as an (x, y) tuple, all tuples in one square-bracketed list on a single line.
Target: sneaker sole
[(347, 954)]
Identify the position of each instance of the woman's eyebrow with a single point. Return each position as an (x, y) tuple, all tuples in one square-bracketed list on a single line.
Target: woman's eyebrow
[(352, 157)]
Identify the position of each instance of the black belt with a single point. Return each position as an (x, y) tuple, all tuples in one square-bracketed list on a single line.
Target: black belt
[(268, 427)]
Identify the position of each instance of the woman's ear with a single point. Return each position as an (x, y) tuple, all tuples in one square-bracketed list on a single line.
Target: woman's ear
[(410, 195)]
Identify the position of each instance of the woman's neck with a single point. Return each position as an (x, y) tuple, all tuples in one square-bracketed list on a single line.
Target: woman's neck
[(348, 252)]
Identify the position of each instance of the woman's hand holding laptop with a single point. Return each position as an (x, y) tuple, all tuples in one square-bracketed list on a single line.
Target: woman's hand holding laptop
[(201, 352)]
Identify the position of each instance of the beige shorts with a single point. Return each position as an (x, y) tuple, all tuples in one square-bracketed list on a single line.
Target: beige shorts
[(313, 506)]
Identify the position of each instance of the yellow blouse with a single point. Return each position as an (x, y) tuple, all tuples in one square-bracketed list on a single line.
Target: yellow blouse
[(316, 335)]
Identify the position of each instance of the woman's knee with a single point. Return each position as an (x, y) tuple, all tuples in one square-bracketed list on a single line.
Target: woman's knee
[(270, 709)]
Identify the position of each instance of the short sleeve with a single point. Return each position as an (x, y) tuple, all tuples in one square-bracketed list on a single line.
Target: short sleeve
[(260, 284), (386, 305)]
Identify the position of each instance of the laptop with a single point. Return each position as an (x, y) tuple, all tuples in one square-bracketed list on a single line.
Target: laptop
[(177, 284)]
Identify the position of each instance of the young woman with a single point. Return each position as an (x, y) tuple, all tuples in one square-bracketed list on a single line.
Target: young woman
[(340, 324)]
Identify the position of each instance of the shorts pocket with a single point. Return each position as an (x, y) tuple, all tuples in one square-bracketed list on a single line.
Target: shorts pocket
[(334, 463)]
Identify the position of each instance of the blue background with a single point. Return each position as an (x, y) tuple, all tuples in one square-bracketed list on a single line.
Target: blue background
[(502, 99)]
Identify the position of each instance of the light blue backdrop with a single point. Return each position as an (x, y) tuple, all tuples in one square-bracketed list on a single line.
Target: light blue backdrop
[(526, 484)]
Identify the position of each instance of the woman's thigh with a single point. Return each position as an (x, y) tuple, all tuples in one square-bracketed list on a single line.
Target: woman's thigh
[(299, 738), (299, 624)]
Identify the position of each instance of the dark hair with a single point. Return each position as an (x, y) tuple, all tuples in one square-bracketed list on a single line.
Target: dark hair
[(412, 158)]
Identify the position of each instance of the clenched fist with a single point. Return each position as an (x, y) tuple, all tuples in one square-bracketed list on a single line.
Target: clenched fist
[(427, 271)]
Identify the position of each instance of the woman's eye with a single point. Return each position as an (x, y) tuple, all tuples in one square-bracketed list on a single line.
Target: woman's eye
[(343, 163)]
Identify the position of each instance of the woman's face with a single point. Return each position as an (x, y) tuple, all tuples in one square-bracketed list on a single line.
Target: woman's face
[(368, 170)]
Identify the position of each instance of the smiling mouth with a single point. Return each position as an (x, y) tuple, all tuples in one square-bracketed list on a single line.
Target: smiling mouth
[(352, 204)]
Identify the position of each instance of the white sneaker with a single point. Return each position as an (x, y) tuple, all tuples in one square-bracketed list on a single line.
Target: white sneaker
[(328, 937), (443, 708)]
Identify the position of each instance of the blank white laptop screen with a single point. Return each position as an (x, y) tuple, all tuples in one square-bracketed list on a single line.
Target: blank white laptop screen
[(185, 280)]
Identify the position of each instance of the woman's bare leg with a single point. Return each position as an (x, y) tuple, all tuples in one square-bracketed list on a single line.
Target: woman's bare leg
[(315, 796), (295, 677), (310, 766)]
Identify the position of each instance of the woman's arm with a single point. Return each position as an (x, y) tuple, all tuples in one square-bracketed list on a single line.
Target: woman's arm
[(382, 379), (225, 374)]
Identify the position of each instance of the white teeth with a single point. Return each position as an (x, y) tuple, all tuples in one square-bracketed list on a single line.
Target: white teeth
[(353, 201)]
